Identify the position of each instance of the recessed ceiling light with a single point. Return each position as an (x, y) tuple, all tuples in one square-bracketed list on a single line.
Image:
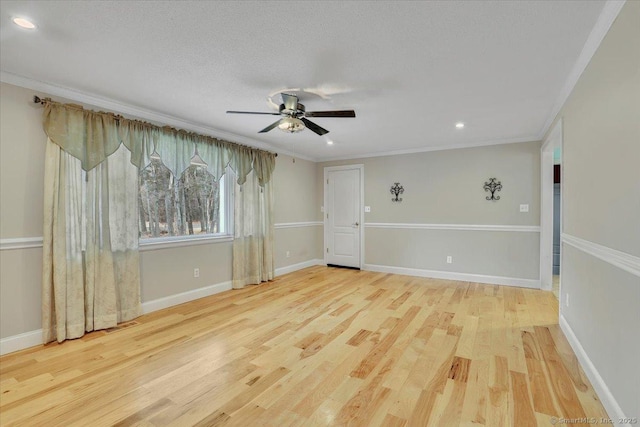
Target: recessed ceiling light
[(23, 23), (459, 125), (329, 142)]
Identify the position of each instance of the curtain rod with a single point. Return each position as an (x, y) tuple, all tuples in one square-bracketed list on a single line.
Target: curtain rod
[(43, 101)]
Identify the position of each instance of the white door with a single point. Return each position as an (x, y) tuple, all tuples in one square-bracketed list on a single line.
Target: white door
[(343, 218)]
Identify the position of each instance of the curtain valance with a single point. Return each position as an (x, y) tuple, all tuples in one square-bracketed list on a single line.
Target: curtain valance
[(92, 136)]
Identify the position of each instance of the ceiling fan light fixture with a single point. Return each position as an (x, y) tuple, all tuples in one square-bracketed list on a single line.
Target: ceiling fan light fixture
[(291, 125)]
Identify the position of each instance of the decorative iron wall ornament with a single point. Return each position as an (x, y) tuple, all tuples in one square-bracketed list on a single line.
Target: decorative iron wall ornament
[(396, 190), (493, 186)]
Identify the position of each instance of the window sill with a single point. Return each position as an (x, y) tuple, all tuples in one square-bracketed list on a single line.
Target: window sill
[(179, 241)]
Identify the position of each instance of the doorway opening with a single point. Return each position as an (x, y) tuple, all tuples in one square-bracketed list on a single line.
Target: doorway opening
[(557, 214), (551, 211)]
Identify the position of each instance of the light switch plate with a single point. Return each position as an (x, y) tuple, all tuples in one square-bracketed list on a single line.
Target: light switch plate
[(524, 208), (367, 208), (321, 208)]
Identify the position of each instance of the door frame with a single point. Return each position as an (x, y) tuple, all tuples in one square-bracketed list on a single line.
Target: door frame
[(553, 140), (327, 169)]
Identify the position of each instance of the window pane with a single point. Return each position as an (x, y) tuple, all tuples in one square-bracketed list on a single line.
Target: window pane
[(190, 205)]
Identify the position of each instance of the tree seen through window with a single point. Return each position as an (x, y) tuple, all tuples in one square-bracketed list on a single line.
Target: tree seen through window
[(190, 205)]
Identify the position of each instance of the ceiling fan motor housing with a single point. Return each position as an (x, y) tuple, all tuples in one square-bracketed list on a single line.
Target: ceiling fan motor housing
[(298, 112)]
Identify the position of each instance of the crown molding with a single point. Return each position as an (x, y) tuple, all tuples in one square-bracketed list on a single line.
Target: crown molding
[(137, 112), (504, 141), (608, 15)]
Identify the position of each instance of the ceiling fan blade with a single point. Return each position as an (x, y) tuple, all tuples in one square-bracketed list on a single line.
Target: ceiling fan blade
[(252, 112), (290, 101), (314, 127), (271, 126), (340, 113)]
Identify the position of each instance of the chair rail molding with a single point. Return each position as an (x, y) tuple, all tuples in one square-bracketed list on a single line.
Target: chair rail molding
[(466, 227), (297, 224), (20, 243), (622, 260)]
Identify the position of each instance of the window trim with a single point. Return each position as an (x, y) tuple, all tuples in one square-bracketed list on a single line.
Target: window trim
[(154, 243)]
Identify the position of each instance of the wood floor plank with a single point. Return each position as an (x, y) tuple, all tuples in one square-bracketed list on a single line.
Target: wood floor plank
[(523, 411), (320, 346)]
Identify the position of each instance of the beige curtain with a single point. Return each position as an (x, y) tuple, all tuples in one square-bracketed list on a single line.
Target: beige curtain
[(253, 260), (93, 136), (91, 277)]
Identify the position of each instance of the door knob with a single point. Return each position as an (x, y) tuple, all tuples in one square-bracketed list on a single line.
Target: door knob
[(355, 224)]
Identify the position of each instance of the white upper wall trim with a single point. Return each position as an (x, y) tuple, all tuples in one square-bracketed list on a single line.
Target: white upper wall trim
[(620, 259), (298, 224), (532, 138), (142, 113), (608, 15), (470, 227), (164, 119), (20, 243)]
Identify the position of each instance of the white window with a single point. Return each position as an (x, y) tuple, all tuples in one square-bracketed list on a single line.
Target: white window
[(192, 206)]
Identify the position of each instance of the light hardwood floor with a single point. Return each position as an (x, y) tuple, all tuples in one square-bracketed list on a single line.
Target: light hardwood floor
[(321, 346)]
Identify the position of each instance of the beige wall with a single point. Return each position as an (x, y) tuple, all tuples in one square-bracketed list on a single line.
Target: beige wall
[(295, 190), (296, 202), (21, 163), (446, 187), (488, 253), (169, 271), (601, 204), (21, 179), (165, 272)]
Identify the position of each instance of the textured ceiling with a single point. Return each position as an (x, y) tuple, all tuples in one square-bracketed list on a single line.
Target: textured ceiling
[(411, 70)]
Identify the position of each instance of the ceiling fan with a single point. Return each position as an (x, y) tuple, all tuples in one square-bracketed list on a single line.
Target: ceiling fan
[(294, 116)]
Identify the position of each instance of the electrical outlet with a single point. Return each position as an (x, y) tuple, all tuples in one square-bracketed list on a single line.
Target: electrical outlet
[(566, 300), (524, 208), (196, 272), (449, 259), (288, 254), (367, 208)]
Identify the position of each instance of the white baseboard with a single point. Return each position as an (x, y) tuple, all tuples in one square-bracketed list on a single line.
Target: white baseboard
[(450, 275), (295, 267), (171, 300), (20, 341), (33, 338), (608, 400)]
